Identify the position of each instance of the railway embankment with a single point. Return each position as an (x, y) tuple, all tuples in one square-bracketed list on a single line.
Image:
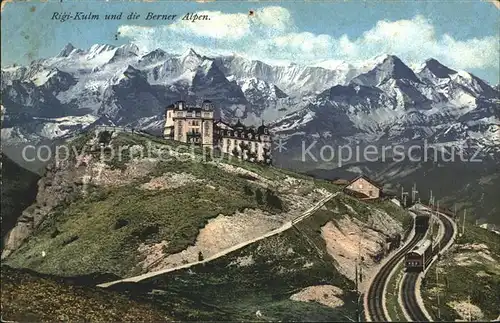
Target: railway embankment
[(413, 305), (375, 298), (464, 283)]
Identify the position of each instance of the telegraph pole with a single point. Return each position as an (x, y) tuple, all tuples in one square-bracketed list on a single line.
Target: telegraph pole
[(358, 278), (357, 292), (437, 289), (468, 301), (436, 215), (463, 223), (403, 196), (431, 224), (414, 193)]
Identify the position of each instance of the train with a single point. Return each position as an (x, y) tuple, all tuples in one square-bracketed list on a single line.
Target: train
[(419, 257), (421, 223)]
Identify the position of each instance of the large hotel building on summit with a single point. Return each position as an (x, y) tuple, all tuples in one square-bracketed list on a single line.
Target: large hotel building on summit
[(195, 124)]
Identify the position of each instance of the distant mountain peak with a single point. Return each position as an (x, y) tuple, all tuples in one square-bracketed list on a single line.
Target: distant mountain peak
[(97, 49), (439, 70), (131, 70), (387, 67), (128, 73), (67, 49), (191, 60), (155, 53), (189, 53), (133, 48), (382, 58), (101, 47), (398, 69)]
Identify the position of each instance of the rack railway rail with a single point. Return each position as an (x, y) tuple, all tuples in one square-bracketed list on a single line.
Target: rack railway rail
[(410, 280), (375, 293)]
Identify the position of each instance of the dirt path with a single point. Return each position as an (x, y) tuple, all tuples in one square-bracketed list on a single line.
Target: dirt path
[(283, 228)]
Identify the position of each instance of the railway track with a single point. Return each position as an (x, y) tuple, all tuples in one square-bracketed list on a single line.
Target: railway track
[(375, 293), (410, 302), (409, 287)]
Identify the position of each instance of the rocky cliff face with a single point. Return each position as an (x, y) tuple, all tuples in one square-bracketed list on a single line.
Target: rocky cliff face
[(61, 184)]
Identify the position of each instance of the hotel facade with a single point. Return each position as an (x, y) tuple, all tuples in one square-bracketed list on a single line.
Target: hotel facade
[(195, 124)]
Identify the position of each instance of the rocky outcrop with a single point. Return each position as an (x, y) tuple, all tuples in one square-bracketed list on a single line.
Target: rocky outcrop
[(323, 294), (61, 184)]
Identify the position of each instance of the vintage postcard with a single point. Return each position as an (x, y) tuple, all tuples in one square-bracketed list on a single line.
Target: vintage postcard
[(250, 161)]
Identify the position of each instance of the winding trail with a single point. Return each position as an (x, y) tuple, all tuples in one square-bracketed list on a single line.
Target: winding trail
[(284, 227)]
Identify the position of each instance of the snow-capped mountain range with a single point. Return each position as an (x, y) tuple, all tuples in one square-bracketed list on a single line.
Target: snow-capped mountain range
[(392, 104), (378, 100)]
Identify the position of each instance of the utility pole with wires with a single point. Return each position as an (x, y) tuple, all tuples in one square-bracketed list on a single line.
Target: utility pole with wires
[(436, 217), (431, 199), (469, 316), (359, 276), (437, 289), (403, 196), (414, 193), (431, 224), (463, 223)]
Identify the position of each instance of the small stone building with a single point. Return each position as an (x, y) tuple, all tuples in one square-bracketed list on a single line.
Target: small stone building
[(363, 187)]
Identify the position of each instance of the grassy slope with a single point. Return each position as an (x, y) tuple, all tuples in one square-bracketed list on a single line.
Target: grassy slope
[(459, 282), (277, 267), (30, 297), (226, 291), (90, 226), (393, 306), (219, 290)]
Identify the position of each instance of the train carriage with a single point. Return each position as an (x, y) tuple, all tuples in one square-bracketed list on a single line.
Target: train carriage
[(421, 223), (419, 257)]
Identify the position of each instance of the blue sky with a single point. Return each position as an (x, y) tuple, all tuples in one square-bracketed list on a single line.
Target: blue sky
[(449, 31)]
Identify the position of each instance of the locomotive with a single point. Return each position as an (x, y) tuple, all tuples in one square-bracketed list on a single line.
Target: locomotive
[(419, 257)]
